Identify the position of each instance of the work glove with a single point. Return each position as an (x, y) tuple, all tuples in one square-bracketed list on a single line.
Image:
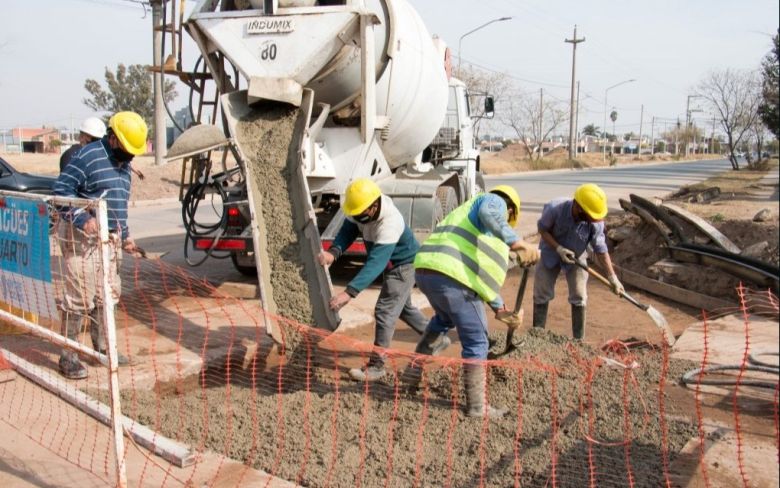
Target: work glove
[(567, 255), (510, 318), (617, 286), (527, 256)]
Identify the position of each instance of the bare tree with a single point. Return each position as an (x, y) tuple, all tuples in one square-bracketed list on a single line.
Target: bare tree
[(480, 83), (533, 120), (733, 97)]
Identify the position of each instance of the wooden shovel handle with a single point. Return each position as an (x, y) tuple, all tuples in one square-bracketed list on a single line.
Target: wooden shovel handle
[(594, 273), (601, 278)]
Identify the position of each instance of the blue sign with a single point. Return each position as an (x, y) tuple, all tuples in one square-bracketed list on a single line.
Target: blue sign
[(24, 238), (25, 257)]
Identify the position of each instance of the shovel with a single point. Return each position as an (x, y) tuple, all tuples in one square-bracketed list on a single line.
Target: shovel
[(510, 346), (654, 314)]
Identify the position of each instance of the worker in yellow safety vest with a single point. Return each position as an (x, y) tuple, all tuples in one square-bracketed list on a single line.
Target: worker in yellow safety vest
[(462, 264)]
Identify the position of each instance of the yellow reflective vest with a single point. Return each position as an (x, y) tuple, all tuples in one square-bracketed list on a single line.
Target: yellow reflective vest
[(457, 249)]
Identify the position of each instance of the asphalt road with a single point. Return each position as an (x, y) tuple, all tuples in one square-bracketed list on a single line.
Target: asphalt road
[(158, 227), (646, 180)]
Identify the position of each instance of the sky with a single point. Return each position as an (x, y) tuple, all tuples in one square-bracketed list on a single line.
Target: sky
[(48, 48)]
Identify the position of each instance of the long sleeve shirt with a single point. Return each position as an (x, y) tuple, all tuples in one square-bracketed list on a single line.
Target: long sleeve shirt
[(489, 215), (557, 219), (92, 173), (388, 240)]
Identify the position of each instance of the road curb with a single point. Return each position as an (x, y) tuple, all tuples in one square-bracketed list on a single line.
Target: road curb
[(149, 203)]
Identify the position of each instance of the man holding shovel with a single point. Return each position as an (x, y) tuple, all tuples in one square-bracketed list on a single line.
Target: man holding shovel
[(462, 264), (567, 227)]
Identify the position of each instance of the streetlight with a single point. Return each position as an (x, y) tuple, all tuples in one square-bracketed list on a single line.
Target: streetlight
[(604, 127), (501, 19)]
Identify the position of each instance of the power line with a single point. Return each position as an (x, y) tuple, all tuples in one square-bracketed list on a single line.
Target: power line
[(510, 75), (124, 4)]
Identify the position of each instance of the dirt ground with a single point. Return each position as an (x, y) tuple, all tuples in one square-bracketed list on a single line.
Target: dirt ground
[(514, 159), (743, 194), (329, 430)]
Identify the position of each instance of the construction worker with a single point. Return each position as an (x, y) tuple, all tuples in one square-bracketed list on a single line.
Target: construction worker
[(461, 264), (567, 227), (100, 170), (91, 130), (390, 241)]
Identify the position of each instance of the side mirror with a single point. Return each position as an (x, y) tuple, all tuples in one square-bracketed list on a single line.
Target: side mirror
[(490, 106)]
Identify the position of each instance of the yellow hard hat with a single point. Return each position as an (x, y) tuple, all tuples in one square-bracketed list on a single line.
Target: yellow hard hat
[(592, 199), (512, 195), (360, 194), (131, 131)]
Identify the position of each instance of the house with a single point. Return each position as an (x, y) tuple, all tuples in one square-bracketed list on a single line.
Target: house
[(588, 144), (36, 140)]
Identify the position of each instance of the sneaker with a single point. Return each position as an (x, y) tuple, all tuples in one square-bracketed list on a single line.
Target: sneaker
[(71, 368), (368, 373)]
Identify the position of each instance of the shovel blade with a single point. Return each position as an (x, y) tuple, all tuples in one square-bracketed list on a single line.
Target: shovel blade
[(662, 324)]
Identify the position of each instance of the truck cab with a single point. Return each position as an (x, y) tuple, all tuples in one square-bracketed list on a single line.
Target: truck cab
[(454, 148)]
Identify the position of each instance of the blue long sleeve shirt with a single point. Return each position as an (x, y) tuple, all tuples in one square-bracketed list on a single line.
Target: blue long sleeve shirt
[(388, 240), (557, 219), (92, 173), (488, 214)]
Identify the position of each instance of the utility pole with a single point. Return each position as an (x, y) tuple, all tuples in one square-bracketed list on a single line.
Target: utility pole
[(687, 123), (677, 138), (160, 140), (641, 120), (573, 41), (541, 119), (712, 138), (577, 118), (652, 136)]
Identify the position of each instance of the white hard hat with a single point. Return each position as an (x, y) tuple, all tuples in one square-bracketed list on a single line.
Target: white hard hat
[(94, 127)]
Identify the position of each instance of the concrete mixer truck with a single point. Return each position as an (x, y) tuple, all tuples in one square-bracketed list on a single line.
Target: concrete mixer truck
[(372, 96)]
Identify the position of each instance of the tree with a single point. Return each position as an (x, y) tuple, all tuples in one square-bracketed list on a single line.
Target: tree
[(758, 132), (769, 110), (733, 98), (533, 120), (480, 83), (590, 130), (681, 134), (130, 88)]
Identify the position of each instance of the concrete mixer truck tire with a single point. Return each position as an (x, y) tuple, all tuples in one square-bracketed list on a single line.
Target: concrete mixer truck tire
[(448, 199), (244, 270)]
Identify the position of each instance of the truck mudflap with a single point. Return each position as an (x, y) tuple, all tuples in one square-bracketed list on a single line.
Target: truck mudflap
[(235, 107)]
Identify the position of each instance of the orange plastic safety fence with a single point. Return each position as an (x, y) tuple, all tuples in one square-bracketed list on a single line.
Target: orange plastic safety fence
[(204, 375)]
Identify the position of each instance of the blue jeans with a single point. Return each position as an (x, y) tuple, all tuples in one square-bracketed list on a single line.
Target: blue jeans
[(456, 306)]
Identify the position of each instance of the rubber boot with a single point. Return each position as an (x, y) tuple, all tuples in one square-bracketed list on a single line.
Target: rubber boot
[(432, 343), (474, 377), (96, 334), (540, 315), (578, 321), (69, 365)]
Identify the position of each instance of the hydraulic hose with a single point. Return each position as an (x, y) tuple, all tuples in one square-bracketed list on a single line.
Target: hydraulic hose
[(193, 228), (696, 376)]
